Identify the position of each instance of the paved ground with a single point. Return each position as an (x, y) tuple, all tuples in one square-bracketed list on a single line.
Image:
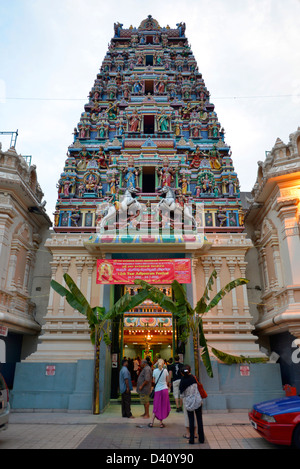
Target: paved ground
[(56, 430)]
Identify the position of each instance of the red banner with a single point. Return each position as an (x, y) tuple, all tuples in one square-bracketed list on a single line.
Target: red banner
[(154, 271)]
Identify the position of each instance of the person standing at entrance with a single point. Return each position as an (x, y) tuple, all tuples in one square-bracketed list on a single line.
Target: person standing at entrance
[(125, 386), (193, 403), (136, 366), (175, 372), (161, 402), (143, 386)]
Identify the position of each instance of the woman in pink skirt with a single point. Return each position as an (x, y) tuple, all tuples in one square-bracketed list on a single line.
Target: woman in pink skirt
[(161, 402)]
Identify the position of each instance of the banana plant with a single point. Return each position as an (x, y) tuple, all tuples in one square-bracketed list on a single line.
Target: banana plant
[(190, 319), (98, 319)]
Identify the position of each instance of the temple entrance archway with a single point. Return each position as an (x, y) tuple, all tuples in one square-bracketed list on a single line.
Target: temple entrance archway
[(148, 329)]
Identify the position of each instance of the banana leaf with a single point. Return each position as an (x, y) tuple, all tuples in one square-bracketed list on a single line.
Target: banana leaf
[(205, 353), (93, 335), (184, 336), (232, 359), (157, 296), (209, 284), (143, 284), (99, 313), (126, 303), (183, 306), (77, 293), (70, 298), (230, 286), (76, 301), (201, 306), (162, 300)]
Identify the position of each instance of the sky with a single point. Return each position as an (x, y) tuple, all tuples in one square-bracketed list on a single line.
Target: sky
[(50, 53)]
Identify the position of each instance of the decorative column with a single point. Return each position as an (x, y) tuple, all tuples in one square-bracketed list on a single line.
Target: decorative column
[(29, 258), (206, 262), (12, 266), (231, 263), (6, 221), (65, 263), (80, 262), (217, 263), (263, 256), (243, 265), (54, 266), (90, 263), (288, 214), (277, 262)]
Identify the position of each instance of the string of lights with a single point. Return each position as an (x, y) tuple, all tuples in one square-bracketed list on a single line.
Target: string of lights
[(83, 99)]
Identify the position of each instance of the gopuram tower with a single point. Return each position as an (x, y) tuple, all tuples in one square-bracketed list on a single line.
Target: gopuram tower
[(148, 135)]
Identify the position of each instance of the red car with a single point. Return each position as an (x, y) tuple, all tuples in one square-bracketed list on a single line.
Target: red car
[(278, 420)]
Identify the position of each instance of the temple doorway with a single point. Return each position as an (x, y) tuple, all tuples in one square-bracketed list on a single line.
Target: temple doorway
[(149, 179), (148, 330), (149, 87), (149, 125), (149, 60)]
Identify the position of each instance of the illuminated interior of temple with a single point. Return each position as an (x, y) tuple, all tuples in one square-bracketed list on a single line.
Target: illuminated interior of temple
[(148, 329)]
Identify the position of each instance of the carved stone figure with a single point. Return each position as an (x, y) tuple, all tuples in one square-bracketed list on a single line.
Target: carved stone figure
[(163, 122), (130, 174), (75, 216), (221, 216), (166, 174), (101, 158), (134, 122)]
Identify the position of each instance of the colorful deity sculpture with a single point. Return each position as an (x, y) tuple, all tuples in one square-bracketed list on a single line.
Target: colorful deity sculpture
[(75, 216), (160, 88), (184, 184), (113, 184), (112, 111), (134, 122), (137, 87), (221, 216), (101, 130), (130, 174), (198, 156), (91, 181), (80, 190), (206, 181), (101, 158), (163, 122), (166, 174)]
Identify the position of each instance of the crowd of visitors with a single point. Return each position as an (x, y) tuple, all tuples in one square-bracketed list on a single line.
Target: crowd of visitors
[(155, 381)]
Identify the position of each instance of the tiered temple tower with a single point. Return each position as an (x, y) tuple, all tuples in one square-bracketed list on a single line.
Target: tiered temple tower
[(148, 133), (148, 123)]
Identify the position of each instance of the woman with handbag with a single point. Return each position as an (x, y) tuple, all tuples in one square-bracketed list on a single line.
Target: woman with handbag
[(193, 403), (161, 402)]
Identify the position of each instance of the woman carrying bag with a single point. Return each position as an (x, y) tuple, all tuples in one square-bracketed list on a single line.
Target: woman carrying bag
[(161, 402), (193, 403)]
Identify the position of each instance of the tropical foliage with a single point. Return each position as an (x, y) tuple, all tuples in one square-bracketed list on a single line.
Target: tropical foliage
[(190, 319), (98, 319)]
